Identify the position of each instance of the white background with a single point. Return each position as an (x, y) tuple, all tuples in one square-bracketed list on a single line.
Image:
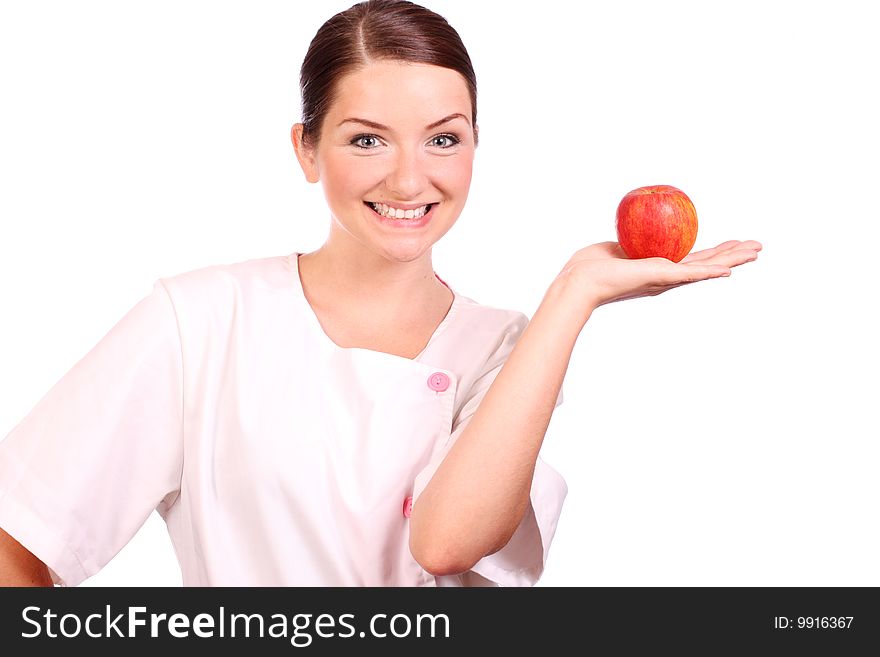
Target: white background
[(723, 433)]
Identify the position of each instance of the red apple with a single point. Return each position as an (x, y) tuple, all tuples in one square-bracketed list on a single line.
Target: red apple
[(656, 221)]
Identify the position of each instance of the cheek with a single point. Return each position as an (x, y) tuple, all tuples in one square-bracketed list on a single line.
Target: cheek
[(456, 173), (347, 177)]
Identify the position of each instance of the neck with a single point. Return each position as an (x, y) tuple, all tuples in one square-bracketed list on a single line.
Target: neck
[(363, 277)]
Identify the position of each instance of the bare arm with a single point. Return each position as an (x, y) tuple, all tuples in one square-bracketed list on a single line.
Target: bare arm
[(479, 494), (18, 567)]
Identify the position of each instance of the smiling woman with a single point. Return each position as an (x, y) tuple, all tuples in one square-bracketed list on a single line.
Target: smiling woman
[(411, 163), (335, 418)]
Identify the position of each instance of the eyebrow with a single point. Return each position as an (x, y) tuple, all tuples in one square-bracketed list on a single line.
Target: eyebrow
[(379, 126)]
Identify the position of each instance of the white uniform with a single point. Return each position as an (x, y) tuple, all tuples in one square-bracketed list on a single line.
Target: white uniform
[(275, 457)]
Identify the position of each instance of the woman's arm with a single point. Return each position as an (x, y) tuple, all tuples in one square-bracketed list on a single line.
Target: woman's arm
[(18, 567), (479, 494)]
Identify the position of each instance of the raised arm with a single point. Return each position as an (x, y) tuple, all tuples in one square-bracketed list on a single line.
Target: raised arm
[(479, 494), (18, 567)]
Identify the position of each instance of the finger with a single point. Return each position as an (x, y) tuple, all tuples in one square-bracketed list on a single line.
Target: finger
[(693, 273), (614, 250), (700, 256), (732, 258), (708, 253), (754, 245)]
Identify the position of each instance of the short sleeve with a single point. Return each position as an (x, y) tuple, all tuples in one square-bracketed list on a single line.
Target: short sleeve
[(81, 473), (520, 562)]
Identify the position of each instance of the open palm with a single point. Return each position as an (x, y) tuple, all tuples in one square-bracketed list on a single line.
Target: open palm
[(608, 275)]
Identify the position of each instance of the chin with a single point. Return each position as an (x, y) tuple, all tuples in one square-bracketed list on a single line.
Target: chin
[(404, 252)]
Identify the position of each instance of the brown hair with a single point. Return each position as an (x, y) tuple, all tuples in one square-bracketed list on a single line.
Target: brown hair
[(376, 30)]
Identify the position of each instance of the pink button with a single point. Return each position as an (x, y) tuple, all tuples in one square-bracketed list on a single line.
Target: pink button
[(407, 507), (438, 381)]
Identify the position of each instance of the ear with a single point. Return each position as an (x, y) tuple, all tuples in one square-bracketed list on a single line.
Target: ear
[(476, 136), (304, 154)]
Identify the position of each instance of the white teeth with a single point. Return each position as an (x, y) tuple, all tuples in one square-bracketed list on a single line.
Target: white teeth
[(395, 213)]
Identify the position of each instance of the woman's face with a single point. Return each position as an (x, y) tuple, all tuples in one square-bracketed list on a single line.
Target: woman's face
[(395, 156)]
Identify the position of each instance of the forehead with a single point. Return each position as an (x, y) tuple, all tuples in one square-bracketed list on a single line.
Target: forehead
[(400, 93)]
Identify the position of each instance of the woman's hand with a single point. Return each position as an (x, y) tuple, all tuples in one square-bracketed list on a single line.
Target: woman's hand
[(602, 273)]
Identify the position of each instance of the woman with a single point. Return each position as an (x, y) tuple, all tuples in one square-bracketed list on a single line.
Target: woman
[(340, 417)]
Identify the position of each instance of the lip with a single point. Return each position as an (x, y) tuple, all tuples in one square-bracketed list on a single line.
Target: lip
[(401, 206), (404, 223)]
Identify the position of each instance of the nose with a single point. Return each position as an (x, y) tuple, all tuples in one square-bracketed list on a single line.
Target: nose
[(406, 177)]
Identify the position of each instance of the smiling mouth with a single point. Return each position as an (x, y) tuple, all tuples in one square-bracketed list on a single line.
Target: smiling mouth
[(394, 213)]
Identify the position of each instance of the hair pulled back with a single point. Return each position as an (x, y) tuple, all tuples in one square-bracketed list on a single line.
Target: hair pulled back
[(374, 30)]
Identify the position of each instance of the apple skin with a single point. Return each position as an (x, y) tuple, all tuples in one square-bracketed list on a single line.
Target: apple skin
[(656, 221)]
